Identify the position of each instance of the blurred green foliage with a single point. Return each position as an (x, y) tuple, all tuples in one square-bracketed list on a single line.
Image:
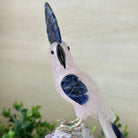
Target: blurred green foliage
[(24, 123)]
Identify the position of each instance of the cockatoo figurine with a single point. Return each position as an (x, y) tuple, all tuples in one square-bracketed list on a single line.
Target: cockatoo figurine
[(74, 85)]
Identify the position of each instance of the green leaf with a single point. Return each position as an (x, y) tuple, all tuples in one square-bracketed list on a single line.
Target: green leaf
[(94, 128), (119, 125), (24, 113), (34, 112), (41, 131), (3, 129), (25, 124), (11, 119), (125, 127), (102, 133), (48, 125), (17, 128), (125, 132), (17, 106), (117, 119), (11, 134), (6, 113), (5, 136)]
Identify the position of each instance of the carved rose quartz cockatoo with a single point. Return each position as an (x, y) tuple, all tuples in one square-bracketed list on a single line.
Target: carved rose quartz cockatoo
[(75, 86)]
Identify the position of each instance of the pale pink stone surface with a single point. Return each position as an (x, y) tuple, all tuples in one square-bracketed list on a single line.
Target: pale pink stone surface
[(96, 106)]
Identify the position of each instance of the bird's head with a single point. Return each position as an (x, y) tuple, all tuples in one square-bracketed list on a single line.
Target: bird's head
[(59, 51)]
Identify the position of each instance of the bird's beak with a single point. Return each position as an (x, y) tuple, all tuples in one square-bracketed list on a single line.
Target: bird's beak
[(61, 55), (53, 30)]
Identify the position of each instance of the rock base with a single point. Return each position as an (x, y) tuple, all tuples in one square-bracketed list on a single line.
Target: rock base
[(78, 132)]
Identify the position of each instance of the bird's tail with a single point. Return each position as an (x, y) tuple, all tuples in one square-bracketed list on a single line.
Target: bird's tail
[(110, 129)]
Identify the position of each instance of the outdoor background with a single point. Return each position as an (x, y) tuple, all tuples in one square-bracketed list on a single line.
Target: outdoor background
[(103, 37)]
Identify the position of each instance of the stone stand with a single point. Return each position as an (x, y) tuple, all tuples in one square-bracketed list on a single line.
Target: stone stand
[(78, 132)]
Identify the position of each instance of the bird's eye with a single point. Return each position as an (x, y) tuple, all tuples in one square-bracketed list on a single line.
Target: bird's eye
[(52, 52), (68, 48)]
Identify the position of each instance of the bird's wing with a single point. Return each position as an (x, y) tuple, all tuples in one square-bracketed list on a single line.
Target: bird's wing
[(75, 89)]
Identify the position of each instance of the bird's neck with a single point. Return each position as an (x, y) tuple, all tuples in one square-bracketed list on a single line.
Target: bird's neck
[(58, 71)]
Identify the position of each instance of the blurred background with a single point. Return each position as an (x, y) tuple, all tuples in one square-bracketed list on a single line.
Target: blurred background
[(103, 37)]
